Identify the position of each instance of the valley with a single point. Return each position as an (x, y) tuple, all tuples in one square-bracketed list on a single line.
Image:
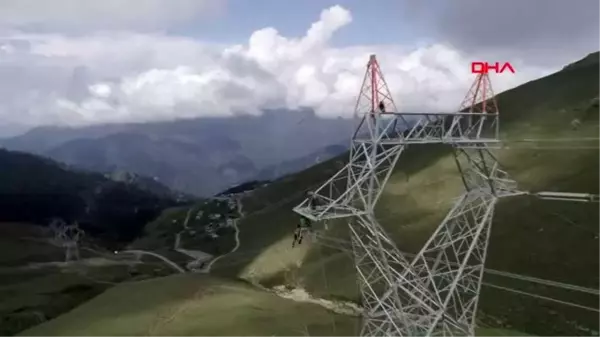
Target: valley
[(234, 256)]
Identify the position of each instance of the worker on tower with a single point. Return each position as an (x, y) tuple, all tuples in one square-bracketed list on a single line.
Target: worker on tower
[(305, 225), (375, 115), (312, 200), (297, 234)]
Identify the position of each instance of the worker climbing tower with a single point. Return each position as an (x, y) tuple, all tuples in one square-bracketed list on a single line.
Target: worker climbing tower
[(436, 292)]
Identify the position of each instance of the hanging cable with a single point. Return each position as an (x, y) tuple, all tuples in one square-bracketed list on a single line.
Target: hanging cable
[(571, 222), (540, 297), (552, 140), (544, 282), (524, 144), (341, 245), (502, 147), (532, 279)]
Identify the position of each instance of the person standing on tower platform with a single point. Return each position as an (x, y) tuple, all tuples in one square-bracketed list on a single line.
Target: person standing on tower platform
[(377, 118), (375, 115), (381, 107), (312, 200)]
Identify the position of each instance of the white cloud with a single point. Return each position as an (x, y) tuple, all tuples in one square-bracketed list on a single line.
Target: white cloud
[(146, 77), (546, 32), (105, 14), (100, 90)]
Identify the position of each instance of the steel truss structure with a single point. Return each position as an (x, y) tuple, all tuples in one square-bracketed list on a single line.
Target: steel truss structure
[(437, 292), (67, 236)]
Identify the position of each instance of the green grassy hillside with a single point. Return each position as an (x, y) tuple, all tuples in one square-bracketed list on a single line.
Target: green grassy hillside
[(547, 239), (35, 288), (34, 285), (202, 305), (195, 305)]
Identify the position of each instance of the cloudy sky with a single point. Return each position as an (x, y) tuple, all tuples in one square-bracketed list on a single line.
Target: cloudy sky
[(74, 62)]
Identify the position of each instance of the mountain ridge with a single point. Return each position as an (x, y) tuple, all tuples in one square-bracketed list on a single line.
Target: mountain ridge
[(201, 156), (35, 190)]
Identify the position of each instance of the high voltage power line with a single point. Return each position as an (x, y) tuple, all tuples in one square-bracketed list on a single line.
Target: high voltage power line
[(418, 297), (249, 255), (540, 297)]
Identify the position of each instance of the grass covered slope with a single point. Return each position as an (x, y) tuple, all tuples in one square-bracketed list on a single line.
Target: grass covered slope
[(547, 239), (194, 305), (35, 286), (202, 305)]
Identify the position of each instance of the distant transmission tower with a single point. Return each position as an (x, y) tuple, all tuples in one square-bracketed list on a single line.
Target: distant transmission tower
[(402, 298), (67, 236)]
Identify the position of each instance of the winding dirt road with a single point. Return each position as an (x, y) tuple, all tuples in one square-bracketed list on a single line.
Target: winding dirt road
[(158, 256), (237, 236), (198, 255)]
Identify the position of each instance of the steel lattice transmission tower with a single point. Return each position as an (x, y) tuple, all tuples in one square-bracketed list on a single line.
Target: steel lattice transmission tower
[(420, 297), (452, 260), (67, 236)]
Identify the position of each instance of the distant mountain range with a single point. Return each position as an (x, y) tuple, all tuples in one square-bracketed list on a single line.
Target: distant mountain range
[(202, 156), (36, 190)]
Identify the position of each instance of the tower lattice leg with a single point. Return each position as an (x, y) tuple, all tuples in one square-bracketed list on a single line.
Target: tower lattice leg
[(391, 308), (452, 261), (71, 252), (436, 293)]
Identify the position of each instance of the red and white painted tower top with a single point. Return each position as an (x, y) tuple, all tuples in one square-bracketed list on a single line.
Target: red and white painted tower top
[(374, 96), (480, 98)]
